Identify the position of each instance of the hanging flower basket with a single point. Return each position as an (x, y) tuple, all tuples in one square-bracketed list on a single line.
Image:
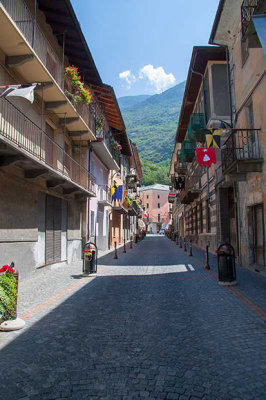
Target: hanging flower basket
[(81, 94)]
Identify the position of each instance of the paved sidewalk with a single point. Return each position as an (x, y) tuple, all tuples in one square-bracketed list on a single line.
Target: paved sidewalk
[(152, 325)]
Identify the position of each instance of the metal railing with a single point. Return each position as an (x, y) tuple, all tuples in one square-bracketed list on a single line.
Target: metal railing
[(104, 193), (22, 17), (26, 135), (248, 8), (242, 144), (192, 187)]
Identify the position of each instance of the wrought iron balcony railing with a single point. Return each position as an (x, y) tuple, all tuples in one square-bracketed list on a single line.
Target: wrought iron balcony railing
[(241, 145), (25, 135), (248, 8), (22, 17), (104, 194)]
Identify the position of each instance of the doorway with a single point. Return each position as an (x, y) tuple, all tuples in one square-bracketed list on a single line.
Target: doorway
[(256, 235)]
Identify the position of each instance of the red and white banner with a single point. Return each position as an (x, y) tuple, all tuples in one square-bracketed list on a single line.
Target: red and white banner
[(171, 197), (206, 156)]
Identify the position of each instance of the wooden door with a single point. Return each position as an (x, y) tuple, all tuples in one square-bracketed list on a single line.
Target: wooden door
[(258, 228)]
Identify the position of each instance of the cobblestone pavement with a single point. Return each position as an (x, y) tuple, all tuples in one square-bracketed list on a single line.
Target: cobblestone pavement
[(152, 325)]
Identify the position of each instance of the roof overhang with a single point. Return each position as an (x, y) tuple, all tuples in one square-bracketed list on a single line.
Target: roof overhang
[(201, 55), (61, 16), (108, 102), (226, 22), (105, 156)]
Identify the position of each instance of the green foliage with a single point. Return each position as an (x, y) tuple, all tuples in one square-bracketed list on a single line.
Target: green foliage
[(154, 173), (129, 101), (151, 124), (8, 296)]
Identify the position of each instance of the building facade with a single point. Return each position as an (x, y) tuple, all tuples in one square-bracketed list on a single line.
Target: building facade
[(59, 154), (224, 94), (239, 27), (154, 200)]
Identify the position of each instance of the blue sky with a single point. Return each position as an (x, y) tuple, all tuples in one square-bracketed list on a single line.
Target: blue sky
[(144, 46)]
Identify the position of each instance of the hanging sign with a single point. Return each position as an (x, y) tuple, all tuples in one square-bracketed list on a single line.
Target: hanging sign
[(171, 197), (213, 138), (206, 156), (180, 183)]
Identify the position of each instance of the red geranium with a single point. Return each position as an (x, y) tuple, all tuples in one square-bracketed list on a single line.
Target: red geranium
[(7, 268)]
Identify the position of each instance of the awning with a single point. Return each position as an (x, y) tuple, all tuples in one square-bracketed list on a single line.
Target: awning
[(259, 21)]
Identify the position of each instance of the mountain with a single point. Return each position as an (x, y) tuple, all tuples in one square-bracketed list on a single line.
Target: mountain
[(151, 123), (129, 101)]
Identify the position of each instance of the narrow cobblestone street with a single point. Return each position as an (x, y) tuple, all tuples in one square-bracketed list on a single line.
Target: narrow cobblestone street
[(153, 325)]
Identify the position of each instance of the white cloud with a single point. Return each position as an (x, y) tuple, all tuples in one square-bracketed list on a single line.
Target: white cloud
[(128, 77), (157, 77)]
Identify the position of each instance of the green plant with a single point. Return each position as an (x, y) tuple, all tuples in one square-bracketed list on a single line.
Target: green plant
[(84, 94), (8, 296), (128, 201)]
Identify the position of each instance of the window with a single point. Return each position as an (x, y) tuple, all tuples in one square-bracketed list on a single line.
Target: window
[(159, 217), (158, 196), (147, 205), (159, 205), (147, 196), (92, 232)]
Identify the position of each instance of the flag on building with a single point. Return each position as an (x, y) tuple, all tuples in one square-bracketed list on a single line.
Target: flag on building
[(118, 194), (213, 138), (25, 91), (206, 157)]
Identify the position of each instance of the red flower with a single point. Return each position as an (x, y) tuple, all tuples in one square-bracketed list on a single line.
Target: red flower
[(6, 268)]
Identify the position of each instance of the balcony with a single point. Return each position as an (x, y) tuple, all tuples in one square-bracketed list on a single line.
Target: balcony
[(248, 9), (241, 153), (191, 191), (196, 127), (29, 147), (188, 151), (104, 195), (29, 53), (181, 168), (22, 17)]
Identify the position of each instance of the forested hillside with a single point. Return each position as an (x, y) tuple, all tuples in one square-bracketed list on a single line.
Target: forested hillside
[(151, 123)]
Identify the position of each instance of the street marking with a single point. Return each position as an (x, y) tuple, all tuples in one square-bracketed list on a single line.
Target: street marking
[(190, 267)]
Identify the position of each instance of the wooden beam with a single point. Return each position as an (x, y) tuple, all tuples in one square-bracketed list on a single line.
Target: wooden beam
[(51, 105), (70, 190), (77, 133), (67, 121), (16, 61), (9, 160), (34, 173), (55, 183)]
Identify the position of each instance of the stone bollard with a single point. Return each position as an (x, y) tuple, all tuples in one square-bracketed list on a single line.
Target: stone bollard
[(116, 256), (124, 251), (131, 242), (185, 245), (207, 265), (190, 248)]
